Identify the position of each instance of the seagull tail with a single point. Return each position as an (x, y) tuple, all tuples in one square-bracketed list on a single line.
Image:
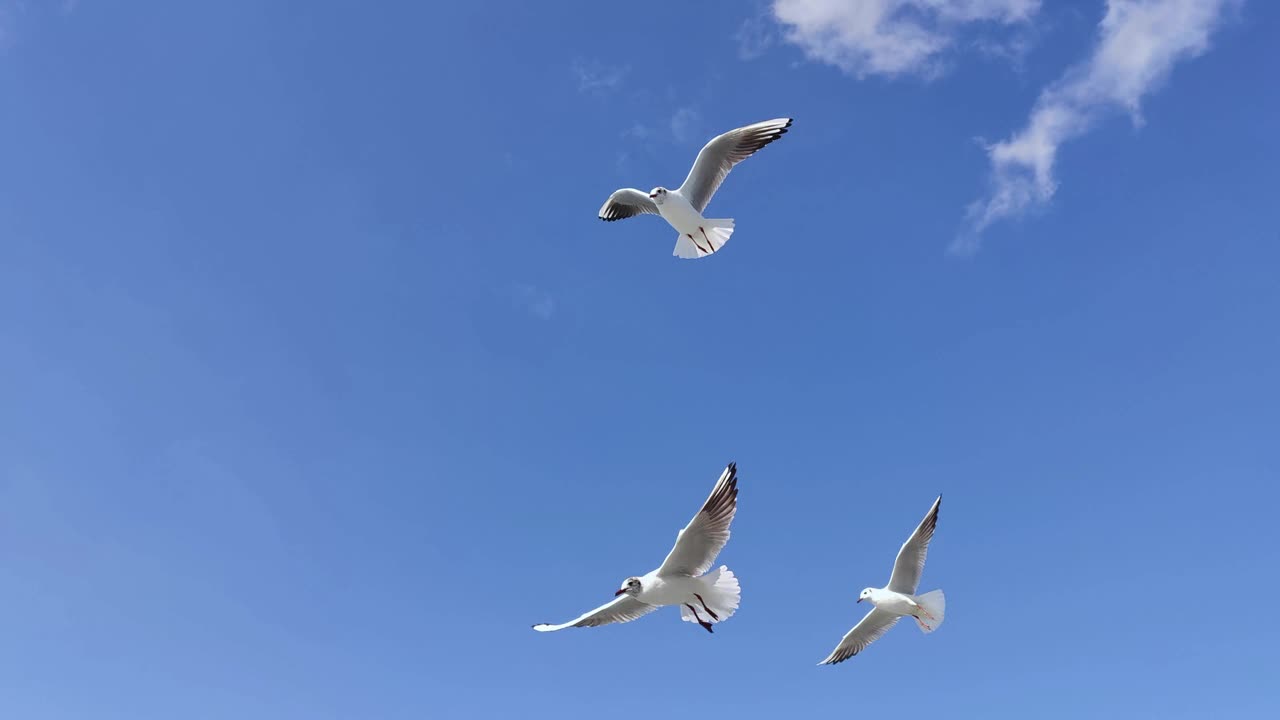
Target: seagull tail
[(711, 237), (721, 595), (934, 607)]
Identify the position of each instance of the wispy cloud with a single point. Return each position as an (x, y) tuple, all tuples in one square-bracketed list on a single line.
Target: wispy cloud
[(596, 77), (533, 300), (638, 131), (755, 35), (1139, 43), (10, 10), (7, 12), (1012, 49), (891, 37), (684, 124)]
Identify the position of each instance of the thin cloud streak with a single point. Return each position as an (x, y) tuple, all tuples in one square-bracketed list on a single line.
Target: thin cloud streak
[(1139, 43)]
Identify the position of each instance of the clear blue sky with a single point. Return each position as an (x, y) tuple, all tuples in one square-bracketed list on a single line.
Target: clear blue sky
[(320, 381)]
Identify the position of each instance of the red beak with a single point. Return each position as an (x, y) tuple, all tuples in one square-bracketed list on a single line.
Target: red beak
[(616, 593)]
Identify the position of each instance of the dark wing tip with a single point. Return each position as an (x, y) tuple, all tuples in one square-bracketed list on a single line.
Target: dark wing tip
[(837, 657)]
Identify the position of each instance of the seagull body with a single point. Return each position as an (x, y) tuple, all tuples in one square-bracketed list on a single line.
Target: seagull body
[(683, 207), (682, 579), (898, 599)]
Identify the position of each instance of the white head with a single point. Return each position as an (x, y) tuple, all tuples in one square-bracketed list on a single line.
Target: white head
[(658, 195), (866, 594), (630, 586)]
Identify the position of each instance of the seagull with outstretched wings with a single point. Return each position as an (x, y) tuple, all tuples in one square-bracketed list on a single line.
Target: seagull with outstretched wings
[(682, 208), (898, 599), (682, 579)]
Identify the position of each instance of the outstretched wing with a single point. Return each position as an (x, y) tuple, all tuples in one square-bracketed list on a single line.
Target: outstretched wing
[(909, 566), (624, 608), (625, 203), (719, 156), (704, 537), (870, 629)]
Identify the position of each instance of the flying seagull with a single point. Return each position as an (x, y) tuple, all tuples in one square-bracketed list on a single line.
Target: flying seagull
[(682, 208), (899, 598), (682, 579)]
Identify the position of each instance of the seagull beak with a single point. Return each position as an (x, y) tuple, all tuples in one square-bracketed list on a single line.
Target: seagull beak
[(616, 593), (859, 599)]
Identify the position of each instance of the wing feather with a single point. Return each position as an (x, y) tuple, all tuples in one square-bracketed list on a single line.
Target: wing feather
[(625, 203), (871, 628), (698, 544), (909, 566), (623, 608), (718, 157)]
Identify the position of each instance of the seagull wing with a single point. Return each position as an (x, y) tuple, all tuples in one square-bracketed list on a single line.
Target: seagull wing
[(624, 608), (910, 563), (625, 203), (870, 629), (704, 537), (720, 155)]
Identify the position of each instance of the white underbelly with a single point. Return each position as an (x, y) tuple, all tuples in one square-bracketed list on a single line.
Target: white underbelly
[(897, 604), (668, 591), (680, 215)]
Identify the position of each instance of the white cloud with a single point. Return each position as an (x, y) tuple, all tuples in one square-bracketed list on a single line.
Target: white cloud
[(596, 77), (890, 37), (1139, 43), (533, 300)]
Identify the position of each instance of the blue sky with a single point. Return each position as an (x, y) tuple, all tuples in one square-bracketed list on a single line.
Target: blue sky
[(320, 381)]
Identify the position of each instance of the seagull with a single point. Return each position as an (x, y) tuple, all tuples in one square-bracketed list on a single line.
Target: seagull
[(682, 208), (899, 598), (682, 579)]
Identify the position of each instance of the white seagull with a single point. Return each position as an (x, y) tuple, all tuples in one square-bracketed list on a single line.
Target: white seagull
[(683, 207), (680, 580), (899, 598)]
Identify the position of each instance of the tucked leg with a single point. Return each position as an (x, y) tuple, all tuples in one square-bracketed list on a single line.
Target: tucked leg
[(710, 612), (713, 249), (700, 621)]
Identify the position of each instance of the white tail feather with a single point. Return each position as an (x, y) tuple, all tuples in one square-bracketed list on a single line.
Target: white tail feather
[(720, 592), (710, 238), (933, 606)]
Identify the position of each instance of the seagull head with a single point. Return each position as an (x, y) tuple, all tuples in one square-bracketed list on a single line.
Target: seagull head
[(658, 195), (866, 594), (630, 586)]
